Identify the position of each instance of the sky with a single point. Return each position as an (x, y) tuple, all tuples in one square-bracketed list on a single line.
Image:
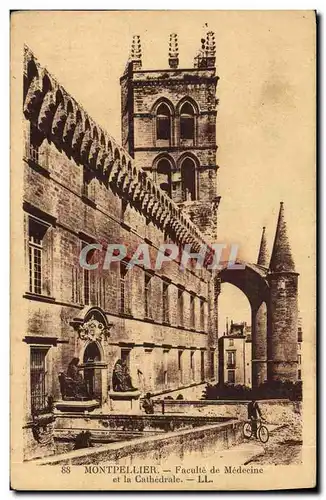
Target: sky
[(266, 112)]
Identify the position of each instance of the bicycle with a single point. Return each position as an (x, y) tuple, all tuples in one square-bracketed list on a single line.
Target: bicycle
[(261, 432)]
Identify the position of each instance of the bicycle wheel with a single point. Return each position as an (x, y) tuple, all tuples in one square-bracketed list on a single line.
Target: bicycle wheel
[(247, 430), (263, 434)]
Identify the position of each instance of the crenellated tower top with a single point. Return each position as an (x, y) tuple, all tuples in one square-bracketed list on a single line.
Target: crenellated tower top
[(136, 53), (173, 51), (206, 56)]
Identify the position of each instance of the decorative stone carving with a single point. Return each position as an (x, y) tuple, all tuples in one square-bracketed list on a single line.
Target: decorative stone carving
[(93, 330)]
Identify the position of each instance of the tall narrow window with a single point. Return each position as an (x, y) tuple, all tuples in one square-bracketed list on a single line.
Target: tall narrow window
[(125, 357), (36, 234), (38, 380), (202, 314), (192, 311), (87, 276), (192, 365), (101, 298), (180, 367), (148, 312), (231, 376), (212, 364), (163, 175), (165, 368), (165, 302), (187, 122), (202, 365), (180, 307), (33, 153), (231, 360), (86, 181), (123, 297), (188, 179), (163, 122)]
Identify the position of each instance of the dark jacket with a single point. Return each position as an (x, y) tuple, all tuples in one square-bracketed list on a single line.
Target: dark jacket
[(253, 410)]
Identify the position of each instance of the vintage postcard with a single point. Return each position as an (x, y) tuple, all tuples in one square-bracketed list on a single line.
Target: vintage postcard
[(163, 250)]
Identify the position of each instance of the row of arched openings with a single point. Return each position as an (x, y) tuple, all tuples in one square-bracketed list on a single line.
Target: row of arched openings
[(164, 179), (164, 117)]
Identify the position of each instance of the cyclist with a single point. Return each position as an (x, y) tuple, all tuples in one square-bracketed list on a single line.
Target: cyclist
[(253, 414)]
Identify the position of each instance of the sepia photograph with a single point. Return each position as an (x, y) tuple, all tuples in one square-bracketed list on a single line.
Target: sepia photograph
[(163, 259)]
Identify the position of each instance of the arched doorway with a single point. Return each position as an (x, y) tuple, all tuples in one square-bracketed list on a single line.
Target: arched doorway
[(92, 373), (92, 328)]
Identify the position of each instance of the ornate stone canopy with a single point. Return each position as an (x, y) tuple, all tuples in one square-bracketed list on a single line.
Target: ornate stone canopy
[(92, 325)]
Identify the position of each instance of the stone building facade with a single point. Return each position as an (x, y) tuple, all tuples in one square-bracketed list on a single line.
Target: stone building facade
[(81, 187), (169, 127), (234, 352)]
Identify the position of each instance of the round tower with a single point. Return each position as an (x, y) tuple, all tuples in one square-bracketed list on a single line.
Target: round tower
[(282, 341)]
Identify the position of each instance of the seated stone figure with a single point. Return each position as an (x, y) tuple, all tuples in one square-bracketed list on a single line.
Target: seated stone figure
[(72, 385), (121, 379)]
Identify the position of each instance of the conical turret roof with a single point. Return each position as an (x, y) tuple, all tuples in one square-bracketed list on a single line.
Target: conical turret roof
[(281, 260), (263, 256)]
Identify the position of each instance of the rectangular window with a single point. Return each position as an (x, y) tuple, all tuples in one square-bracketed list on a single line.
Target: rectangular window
[(165, 368), (165, 302), (38, 380), (180, 367), (101, 298), (192, 364), (75, 290), (125, 356), (36, 234), (299, 359), (147, 296), (123, 274), (231, 342), (192, 311), (87, 291), (187, 129), (85, 186), (163, 127), (202, 314), (231, 359), (212, 364), (231, 376), (180, 307), (34, 140), (299, 374), (88, 277), (202, 365)]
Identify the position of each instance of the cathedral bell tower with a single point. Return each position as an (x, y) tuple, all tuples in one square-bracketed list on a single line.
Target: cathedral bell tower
[(169, 127)]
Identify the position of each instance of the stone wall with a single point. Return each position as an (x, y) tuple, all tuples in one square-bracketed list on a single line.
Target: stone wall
[(81, 187), (157, 449)]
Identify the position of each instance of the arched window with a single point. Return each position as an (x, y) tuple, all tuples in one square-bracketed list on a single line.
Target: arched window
[(163, 122), (163, 177), (187, 121), (188, 179)]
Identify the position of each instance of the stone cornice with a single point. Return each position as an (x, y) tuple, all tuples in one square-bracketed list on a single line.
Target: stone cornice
[(64, 121)]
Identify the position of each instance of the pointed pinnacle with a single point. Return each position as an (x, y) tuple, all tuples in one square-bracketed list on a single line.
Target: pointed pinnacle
[(263, 257), (281, 260)]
